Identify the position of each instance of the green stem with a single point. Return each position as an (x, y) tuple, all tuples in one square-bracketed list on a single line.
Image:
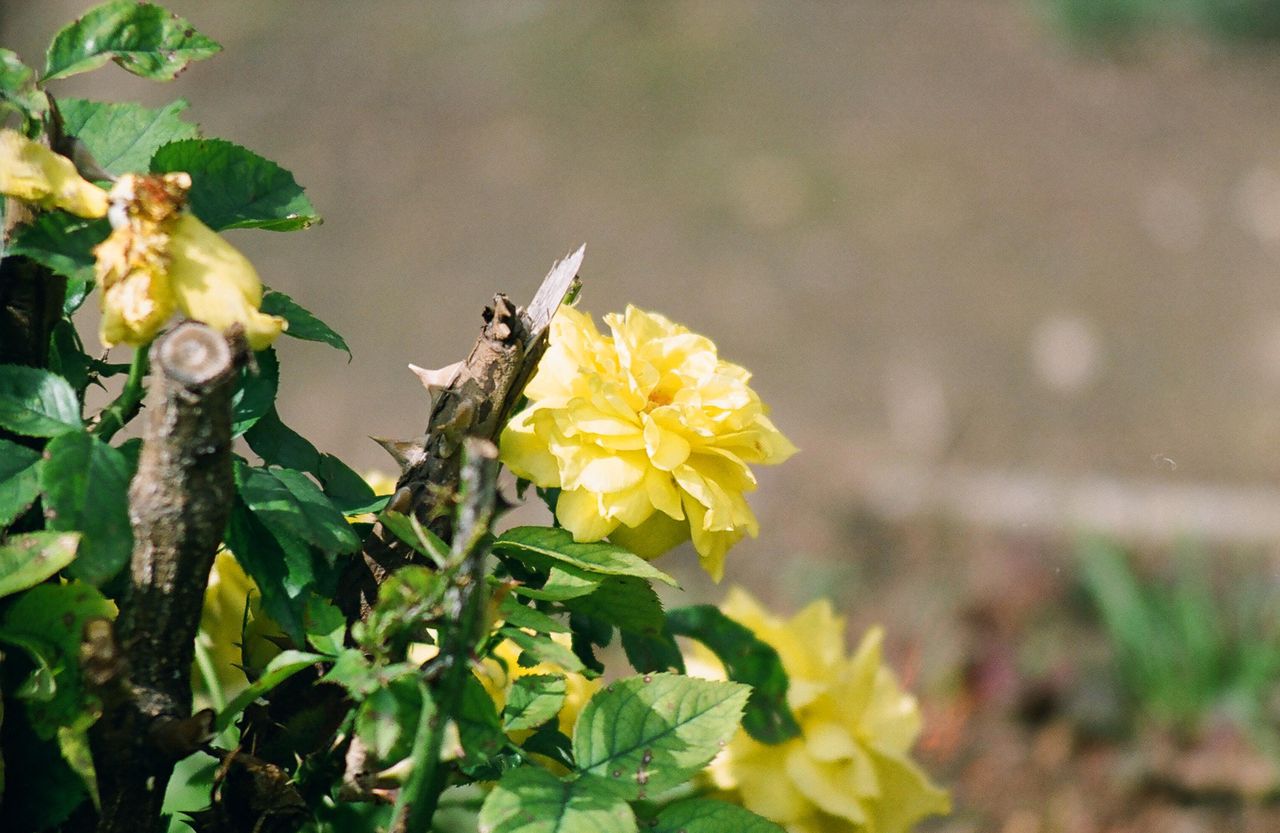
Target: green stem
[(125, 406), (464, 608)]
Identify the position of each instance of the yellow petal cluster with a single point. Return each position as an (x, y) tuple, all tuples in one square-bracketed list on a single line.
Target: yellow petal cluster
[(160, 259), (499, 671), (850, 771), (647, 432), (31, 172)]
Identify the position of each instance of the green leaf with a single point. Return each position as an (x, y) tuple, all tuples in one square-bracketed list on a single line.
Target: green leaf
[(53, 616), (522, 616), (19, 480), (479, 727), (255, 392), (141, 38), (284, 499), (353, 671), (422, 540), (281, 667), (86, 489), (123, 136), (648, 734), (18, 89), (67, 357), (302, 324), (539, 648), (26, 560), (386, 720), (36, 403), (748, 660), (73, 743), (63, 243), (232, 187), (706, 815), (562, 583), (347, 489), (258, 551), (279, 445), (189, 789), (533, 700), (539, 544), (652, 652), (624, 601), (548, 740), (326, 626), (531, 800), (41, 685)]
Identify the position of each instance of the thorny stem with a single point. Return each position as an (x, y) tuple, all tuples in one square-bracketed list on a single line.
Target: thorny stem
[(127, 405), (464, 607)]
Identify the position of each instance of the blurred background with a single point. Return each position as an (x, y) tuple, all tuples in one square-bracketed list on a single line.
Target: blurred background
[(1006, 270)]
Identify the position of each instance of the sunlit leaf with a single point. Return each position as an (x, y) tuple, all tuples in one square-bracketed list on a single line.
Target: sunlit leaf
[(539, 544), (302, 323), (26, 560), (36, 403), (533, 700), (706, 815), (232, 187), (650, 733), (123, 136), (531, 800), (142, 38)]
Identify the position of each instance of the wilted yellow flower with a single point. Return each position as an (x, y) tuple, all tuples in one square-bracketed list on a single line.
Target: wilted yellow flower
[(850, 770), (31, 172), (648, 434), (160, 259), (500, 670)]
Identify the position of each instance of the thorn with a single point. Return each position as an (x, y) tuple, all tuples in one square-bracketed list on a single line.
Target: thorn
[(436, 380), (406, 453)]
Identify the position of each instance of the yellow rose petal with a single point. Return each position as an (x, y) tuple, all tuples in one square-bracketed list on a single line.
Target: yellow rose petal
[(649, 403), (212, 282), (849, 772), (31, 172)]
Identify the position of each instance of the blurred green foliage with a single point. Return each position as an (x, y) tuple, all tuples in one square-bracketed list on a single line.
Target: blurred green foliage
[(1106, 20), (1201, 641)]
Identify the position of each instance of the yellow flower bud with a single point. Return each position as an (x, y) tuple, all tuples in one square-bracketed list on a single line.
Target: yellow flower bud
[(31, 172)]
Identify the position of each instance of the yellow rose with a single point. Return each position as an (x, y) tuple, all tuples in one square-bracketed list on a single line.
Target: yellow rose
[(31, 172), (160, 259), (648, 434), (850, 770)]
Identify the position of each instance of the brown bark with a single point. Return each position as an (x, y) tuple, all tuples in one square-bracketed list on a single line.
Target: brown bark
[(178, 505)]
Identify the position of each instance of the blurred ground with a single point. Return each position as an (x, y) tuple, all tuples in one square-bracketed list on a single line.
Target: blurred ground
[(978, 273)]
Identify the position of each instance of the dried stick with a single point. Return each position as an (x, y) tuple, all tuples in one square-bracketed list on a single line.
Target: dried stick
[(178, 505), (476, 403)]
